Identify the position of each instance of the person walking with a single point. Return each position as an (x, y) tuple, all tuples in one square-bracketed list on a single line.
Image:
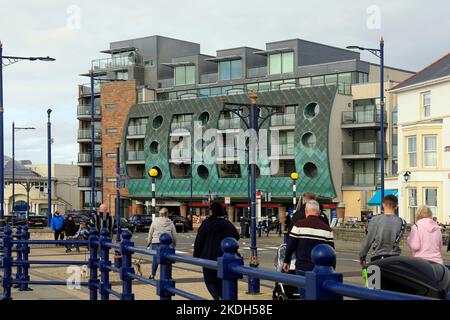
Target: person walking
[(103, 219), (384, 233), (160, 225), (208, 242), (305, 235), (300, 210), (425, 239), (56, 225), (70, 229)]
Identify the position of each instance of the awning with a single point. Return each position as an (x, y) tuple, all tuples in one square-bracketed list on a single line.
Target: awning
[(376, 199)]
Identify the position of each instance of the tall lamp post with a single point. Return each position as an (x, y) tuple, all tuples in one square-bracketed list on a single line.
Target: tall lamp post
[(4, 62), (379, 52), (249, 113), (49, 167), (117, 258), (14, 128), (153, 173), (294, 178)]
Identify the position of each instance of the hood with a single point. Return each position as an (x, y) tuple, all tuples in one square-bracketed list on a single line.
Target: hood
[(428, 224), (164, 222)]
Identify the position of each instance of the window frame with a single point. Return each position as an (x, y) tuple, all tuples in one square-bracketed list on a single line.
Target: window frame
[(282, 63), (408, 151), (185, 75), (433, 208), (435, 151), (426, 107)]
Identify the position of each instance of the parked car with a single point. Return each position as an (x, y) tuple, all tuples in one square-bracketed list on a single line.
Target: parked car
[(16, 218), (37, 221), (141, 222), (124, 225), (180, 222)]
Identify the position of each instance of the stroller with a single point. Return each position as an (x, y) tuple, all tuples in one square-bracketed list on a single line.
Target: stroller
[(284, 291)]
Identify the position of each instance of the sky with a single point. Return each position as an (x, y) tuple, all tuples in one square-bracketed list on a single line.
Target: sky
[(74, 32)]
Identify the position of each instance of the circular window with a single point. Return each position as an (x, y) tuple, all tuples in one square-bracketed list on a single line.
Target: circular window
[(203, 172), (309, 140), (157, 122), (159, 176), (204, 118), (311, 110), (154, 147), (310, 170)]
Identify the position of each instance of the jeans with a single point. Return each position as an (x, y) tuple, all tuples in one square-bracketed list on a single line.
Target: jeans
[(154, 261), (213, 283), (301, 291), (59, 235)]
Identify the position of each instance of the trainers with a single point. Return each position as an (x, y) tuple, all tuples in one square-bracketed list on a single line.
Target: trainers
[(151, 277)]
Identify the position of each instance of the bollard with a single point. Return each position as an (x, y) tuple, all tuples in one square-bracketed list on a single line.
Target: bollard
[(165, 267), (104, 264), (7, 263), (126, 266), (93, 264), (324, 258), (25, 257), (18, 250), (229, 279)]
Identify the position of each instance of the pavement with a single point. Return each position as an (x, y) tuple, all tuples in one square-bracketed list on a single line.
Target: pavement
[(187, 277)]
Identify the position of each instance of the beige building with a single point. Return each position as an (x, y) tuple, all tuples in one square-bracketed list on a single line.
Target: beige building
[(31, 187)]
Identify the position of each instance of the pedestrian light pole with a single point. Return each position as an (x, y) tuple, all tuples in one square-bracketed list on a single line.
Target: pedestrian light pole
[(294, 178), (117, 258), (49, 167), (250, 115), (14, 129), (379, 52), (4, 62), (153, 173)]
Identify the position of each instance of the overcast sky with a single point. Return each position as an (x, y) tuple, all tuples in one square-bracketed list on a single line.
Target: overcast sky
[(74, 32)]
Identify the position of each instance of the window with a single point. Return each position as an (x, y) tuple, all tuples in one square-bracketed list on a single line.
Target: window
[(111, 130), (110, 154), (281, 63), (110, 106), (412, 152), (111, 180), (317, 80), (363, 77), (229, 70), (412, 204), (430, 195), (430, 151), (331, 78), (426, 104), (184, 75), (122, 75)]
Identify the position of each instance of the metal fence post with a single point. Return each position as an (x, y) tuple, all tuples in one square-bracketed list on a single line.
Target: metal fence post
[(7, 263), (126, 266), (93, 264), (165, 274), (229, 279), (25, 257), (104, 264), (18, 250), (324, 258)]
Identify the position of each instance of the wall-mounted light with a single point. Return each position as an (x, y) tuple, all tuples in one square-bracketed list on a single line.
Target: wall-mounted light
[(406, 176)]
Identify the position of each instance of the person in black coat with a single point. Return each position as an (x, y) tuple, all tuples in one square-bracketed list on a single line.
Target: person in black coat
[(207, 245), (69, 229)]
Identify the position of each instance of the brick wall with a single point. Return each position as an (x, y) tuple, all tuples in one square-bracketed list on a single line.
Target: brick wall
[(122, 94)]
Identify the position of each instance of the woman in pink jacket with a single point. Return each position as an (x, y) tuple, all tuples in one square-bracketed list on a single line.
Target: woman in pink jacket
[(425, 239)]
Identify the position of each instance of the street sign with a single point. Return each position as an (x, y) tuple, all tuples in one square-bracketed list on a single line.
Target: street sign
[(227, 200)]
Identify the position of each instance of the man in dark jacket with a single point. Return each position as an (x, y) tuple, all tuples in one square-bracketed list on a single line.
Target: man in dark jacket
[(304, 236), (103, 220), (69, 229), (300, 210), (207, 245)]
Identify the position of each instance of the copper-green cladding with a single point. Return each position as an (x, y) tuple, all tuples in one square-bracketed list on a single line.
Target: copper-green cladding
[(278, 186)]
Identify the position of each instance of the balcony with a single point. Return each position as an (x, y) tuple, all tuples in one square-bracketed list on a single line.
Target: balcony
[(84, 158), (84, 135), (227, 153), (360, 180), (178, 155), (258, 72), (183, 128), (86, 182), (362, 119), (136, 156), (84, 112), (85, 89), (282, 150), (229, 124), (361, 150), (117, 62), (285, 120), (165, 83), (208, 78), (136, 131)]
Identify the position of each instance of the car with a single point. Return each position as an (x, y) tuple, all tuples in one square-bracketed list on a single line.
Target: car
[(124, 225), (141, 222), (37, 221), (180, 223), (18, 218)]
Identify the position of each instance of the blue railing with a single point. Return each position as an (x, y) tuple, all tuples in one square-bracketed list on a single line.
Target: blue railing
[(320, 284)]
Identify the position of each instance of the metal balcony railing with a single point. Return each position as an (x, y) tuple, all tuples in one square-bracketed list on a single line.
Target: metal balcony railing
[(137, 130), (86, 134), (86, 88), (208, 78), (165, 83), (85, 110), (85, 182), (117, 61), (360, 179), (360, 148), (138, 155), (362, 117), (187, 125), (85, 157), (282, 149), (257, 72), (282, 120), (178, 154), (233, 123)]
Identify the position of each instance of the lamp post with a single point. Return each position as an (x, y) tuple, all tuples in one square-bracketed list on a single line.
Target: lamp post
[(153, 173), (49, 168), (117, 258), (379, 52), (294, 177), (14, 128), (249, 113), (4, 62)]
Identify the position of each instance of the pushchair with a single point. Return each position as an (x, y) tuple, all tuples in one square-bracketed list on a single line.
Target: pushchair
[(284, 291)]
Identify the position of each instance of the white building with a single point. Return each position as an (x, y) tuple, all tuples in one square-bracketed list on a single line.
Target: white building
[(424, 141)]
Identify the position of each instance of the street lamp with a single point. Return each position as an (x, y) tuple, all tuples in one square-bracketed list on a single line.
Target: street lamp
[(380, 54), (4, 62), (14, 128), (117, 258), (153, 173), (49, 167), (406, 176), (249, 113)]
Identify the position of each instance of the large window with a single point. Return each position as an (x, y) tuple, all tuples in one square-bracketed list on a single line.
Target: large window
[(412, 204), (184, 75), (281, 63), (122, 75), (426, 104), (430, 196), (430, 151), (229, 70), (412, 152)]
